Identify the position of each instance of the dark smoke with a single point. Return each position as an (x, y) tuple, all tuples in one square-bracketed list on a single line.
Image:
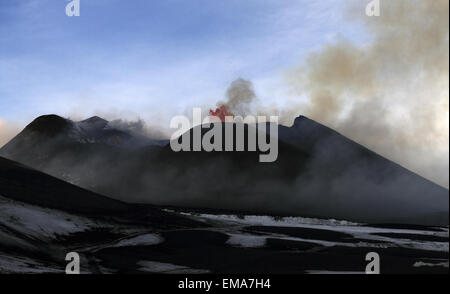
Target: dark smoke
[(240, 95)]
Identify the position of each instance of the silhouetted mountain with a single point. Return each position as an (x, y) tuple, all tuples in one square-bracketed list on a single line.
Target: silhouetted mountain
[(50, 129), (337, 154), (318, 173), (28, 185), (60, 146)]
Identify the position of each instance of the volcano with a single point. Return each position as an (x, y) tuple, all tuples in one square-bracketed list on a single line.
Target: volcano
[(63, 148), (321, 206), (318, 173), (94, 130), (220, 112)]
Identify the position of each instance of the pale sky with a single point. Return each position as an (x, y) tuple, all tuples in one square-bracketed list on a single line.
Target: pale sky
[(153, 59)]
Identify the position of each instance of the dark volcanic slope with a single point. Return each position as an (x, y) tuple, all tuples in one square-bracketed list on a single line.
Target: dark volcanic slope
[(318, 173), (74, 151), (51, 133), (31, 186), (342, 167), (338, 153)]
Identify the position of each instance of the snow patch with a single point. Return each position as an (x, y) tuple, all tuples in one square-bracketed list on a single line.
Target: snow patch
[(421, 264), (39, 222), (141, 240), (357, 230), (265, 220), (22, 265), (249, 241), (168, 268)]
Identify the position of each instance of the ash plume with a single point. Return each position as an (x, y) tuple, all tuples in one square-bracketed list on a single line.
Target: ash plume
[(138, 127), (391, 94), (240, 94)]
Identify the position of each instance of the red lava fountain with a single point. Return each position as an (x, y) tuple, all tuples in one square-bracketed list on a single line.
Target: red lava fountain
[(220, 112)]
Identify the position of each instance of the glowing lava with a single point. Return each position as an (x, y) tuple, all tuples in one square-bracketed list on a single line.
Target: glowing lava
[(220, 112)]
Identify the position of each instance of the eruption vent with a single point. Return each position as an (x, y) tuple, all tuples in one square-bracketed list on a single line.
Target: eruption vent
[(220, 112)]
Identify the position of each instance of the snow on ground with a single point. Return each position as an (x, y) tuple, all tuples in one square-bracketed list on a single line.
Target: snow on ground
[(41, 223), (313, 223), (141, 240), (22, 265), (421, 264), (264, 220), (407, 243), (245, 240), (9, 240), (357, 230), (167, 268)]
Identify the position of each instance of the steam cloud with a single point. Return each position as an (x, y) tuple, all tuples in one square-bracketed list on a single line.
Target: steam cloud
[(240, 95), (138, 127), (392, 94)]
